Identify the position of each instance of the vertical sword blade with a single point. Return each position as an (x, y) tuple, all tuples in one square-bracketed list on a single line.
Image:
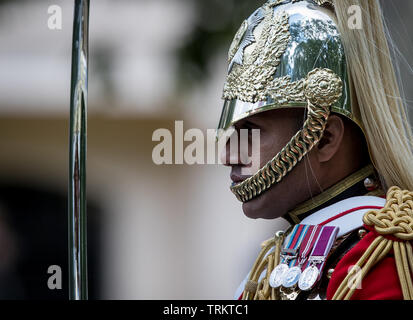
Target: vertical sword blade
[(77, 219)]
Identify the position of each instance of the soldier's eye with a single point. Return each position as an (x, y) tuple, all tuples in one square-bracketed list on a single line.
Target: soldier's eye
[(250, 125)]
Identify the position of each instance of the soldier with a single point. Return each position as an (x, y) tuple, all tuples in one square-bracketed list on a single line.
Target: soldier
[(334, 141)]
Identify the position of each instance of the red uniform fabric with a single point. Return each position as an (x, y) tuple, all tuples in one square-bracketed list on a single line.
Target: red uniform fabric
[(380, 283)]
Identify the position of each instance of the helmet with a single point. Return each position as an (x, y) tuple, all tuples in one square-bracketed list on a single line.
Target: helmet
[(287, 54)]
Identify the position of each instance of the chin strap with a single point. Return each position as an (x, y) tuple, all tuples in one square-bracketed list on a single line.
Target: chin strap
[(322, 89)]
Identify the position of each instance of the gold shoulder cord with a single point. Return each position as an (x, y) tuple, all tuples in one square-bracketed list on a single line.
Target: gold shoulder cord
[(255, 290), (395, 219)]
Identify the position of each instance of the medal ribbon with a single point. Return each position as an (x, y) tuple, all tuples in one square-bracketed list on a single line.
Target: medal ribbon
[(307, 245), (323, 246), (292, 244)]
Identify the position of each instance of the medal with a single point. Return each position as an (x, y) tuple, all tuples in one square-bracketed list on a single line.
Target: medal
[(308, 278), (293, 275), (316, 261), (288, 254), (278, 274)]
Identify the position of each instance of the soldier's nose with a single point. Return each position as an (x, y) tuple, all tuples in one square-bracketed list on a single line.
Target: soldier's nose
[(230, 154)]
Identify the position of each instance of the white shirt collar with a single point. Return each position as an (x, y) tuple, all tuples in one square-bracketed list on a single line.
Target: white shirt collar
[(350, 221)]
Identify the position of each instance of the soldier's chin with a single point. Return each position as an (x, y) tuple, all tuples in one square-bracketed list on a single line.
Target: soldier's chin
[(260, 208)]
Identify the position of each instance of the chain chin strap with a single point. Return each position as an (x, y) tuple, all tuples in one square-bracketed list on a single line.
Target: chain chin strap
[(322, 89)]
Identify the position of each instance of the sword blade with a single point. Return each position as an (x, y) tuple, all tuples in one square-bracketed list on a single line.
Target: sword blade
[(77, 218)]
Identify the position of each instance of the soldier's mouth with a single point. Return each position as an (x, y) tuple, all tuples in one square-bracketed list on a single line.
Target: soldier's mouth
[(237, 179)]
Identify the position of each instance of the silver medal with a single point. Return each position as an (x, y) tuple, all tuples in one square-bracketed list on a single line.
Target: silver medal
[(291, 277), (308, 278), (278, 274)]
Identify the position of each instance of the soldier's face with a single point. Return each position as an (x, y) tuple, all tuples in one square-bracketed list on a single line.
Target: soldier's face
[(277, 127)]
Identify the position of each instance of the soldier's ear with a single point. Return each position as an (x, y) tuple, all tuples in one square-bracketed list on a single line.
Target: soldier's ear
[(332, 139)]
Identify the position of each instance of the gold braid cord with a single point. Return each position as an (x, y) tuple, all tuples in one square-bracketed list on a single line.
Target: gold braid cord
[(261, 290), (395, 219), (322, 88)]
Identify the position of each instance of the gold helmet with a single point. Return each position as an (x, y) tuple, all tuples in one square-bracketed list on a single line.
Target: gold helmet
[(287, 54), (302, 53)]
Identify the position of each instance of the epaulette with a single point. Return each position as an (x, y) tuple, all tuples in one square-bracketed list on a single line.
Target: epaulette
[(392, 227)]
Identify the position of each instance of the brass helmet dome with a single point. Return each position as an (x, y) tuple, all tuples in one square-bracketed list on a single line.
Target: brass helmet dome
[(287, 54)]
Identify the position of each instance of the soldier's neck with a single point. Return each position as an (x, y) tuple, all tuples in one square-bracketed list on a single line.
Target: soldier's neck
[(362, 182)]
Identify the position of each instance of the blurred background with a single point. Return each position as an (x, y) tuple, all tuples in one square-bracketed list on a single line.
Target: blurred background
[(155, 232)]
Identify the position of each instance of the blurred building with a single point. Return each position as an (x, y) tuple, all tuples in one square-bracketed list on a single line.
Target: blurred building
[(164, 231), (156, 232)]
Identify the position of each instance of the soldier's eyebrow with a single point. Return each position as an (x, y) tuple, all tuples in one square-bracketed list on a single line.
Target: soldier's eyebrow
[(251, 123), (247, 124), (241, 124)]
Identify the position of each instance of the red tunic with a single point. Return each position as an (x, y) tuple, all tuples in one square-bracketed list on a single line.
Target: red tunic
[(380, 283)]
